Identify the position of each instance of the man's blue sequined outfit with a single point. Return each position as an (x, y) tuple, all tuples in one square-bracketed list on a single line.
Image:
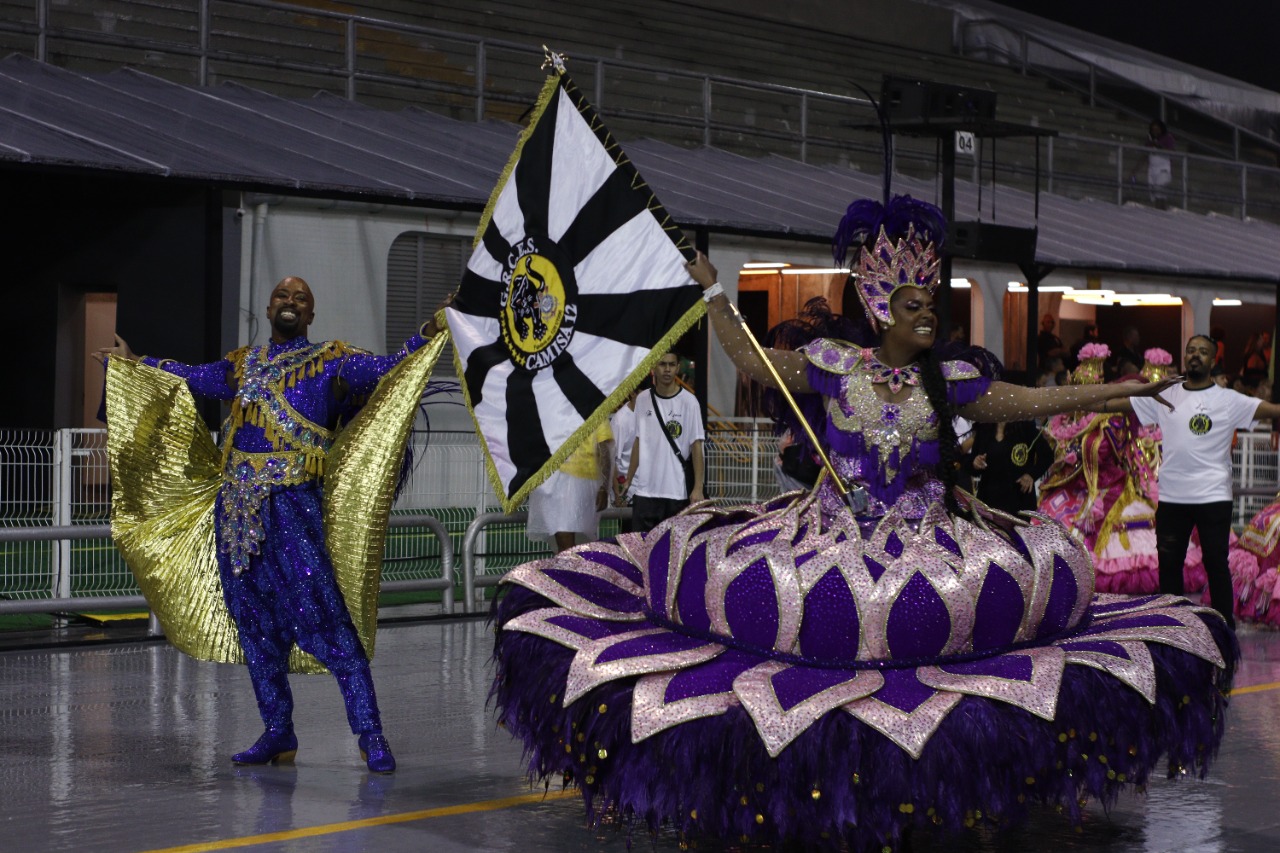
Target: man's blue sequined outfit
[(277, 578)]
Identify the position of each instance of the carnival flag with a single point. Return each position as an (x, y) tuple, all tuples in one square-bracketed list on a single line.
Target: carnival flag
[(577, 285)]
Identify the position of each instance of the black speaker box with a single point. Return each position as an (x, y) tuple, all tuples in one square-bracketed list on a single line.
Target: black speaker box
[(908, 101), (984, 241)]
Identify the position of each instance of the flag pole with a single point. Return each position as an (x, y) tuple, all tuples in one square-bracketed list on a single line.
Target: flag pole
[(855, 498)]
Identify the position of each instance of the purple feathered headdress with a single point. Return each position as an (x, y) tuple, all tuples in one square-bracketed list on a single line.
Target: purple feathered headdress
[(897, 244)]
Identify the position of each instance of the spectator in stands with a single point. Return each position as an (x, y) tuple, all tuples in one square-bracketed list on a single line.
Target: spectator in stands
[(669, 437), (1159, 165), (566, 508)]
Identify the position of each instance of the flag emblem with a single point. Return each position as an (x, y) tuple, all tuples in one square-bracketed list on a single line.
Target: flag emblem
[(578, 283), (539, 304)]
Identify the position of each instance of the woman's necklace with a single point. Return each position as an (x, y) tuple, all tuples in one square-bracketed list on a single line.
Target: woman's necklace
[(894, 377)]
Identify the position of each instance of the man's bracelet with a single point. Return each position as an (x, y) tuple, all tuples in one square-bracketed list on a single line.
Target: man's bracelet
[(712, 292)]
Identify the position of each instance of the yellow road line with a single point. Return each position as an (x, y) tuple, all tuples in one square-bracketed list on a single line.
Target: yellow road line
[(384, 820), (1255, 688)]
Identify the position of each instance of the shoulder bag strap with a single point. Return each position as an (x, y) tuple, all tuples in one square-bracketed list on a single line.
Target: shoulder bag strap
[(663, 425)]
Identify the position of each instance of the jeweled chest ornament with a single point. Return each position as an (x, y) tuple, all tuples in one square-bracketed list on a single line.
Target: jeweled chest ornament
[(893, 377)]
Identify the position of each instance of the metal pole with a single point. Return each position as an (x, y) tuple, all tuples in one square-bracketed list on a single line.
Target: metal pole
[(804, 128), (1119, 174), (1244, 192), (203, 73), (599, 91), (60, 554), (351, 59), (706, 111), (481, 71), (1049, 157), (755, 462), (42, 29), (943, 297)]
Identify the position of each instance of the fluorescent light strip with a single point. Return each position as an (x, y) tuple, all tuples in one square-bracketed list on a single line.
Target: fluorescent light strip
[(765, 265), (815, 271), (1227, 302)]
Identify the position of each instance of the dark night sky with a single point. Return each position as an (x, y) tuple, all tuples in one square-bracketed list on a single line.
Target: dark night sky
[(1239, 38)]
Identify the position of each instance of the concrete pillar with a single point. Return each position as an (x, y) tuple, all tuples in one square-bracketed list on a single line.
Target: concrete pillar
[(1196, 306), (991, 287)]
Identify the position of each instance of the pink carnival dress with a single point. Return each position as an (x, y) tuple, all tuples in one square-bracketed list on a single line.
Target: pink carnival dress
[(1097, 488), (1258, 549)]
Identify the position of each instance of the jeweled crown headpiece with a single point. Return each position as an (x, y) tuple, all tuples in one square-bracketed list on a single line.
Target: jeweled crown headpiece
[(907, 235)]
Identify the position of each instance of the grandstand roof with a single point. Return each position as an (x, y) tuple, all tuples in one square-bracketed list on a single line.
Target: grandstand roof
[(130, 123)]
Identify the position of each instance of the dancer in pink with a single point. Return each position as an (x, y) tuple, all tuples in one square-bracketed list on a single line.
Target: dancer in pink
[(1099, 487)]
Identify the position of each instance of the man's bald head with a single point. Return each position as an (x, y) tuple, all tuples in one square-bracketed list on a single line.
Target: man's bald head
[(291, 309)]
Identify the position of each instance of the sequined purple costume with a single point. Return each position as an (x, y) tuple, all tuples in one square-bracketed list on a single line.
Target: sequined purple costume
[(789, 673), (277, 579)]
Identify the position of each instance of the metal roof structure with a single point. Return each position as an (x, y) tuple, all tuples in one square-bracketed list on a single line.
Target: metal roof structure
[(128, 122)]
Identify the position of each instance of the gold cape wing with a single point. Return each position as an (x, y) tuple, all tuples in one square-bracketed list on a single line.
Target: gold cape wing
[(360, 477), (166, 473)]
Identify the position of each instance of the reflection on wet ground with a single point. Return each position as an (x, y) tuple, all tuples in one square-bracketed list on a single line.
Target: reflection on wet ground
[(125, 748)]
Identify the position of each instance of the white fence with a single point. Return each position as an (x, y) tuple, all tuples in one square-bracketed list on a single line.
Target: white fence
[(54, 478)]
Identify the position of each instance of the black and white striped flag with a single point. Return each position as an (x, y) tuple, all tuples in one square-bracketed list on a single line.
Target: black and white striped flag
[(577, 285)]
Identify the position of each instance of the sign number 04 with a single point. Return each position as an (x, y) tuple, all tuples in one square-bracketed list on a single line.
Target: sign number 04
[(964, 142)]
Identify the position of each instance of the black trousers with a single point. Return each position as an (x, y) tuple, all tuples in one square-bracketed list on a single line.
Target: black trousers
[(648, 513), (1174, 523)]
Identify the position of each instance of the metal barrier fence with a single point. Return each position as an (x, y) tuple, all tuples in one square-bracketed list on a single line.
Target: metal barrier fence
[(55, 546), (56, 554)]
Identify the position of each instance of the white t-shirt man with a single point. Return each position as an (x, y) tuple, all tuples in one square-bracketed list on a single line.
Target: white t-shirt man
[(1197, 435), (659, 474)]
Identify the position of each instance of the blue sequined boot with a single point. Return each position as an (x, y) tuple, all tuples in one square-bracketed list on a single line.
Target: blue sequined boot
[(376, 752), (274, 747)]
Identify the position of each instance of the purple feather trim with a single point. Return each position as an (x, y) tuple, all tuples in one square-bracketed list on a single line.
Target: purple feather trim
[(841, 784), (824, 382), (962, 392)]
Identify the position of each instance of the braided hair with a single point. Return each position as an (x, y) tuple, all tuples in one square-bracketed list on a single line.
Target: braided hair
[(935, 388)]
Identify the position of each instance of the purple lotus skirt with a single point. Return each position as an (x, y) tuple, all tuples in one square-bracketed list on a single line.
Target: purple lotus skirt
[(764, 675)]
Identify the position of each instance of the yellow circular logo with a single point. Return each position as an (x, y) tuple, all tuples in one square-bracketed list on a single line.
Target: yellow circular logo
[(1200, 424), (538, 306), (1020, 454), (674, 427)]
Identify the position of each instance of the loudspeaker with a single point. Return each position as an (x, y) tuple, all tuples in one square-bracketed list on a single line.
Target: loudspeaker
[(984, 241), (921, 101)]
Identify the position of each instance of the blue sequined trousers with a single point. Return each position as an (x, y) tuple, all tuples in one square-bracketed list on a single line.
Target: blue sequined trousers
[(289, 595)]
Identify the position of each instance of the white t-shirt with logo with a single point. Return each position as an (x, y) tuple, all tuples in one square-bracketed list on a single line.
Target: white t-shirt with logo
[(1197, 434), (659, 474)]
